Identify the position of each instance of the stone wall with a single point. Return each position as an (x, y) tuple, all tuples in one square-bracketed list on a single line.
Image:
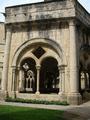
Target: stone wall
[(56, 31), (47, 10), (2, 32), (2, 45), (52, 25)]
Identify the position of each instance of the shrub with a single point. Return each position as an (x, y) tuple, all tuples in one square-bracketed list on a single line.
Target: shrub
[(20, 100)]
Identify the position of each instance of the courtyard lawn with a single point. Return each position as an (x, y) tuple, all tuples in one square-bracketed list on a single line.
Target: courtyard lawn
[(23, 113)]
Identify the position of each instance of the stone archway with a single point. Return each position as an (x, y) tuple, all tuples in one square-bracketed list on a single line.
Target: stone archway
[(84, 71), (49, 82), (39, 41), (39, 50), (27, 81)]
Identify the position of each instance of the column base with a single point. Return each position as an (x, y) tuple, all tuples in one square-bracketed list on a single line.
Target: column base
[(74, 98), (3, 95), (37, 93), (62, 96), (14, 94), (61, 93)]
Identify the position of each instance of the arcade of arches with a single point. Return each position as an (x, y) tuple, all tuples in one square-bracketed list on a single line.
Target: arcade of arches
[(84, 71), (48, 77), (46, 52), (39, 72)]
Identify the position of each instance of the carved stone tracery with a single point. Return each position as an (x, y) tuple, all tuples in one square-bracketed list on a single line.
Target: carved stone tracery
[(30, 80)]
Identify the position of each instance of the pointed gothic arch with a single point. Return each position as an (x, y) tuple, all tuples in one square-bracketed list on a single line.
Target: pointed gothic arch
[(38, 41)]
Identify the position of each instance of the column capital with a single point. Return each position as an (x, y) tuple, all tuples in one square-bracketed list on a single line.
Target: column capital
[(60, 67), (13, 67), (8, 28), (18, 68), (38, 77), (38, 67), (72, 22)]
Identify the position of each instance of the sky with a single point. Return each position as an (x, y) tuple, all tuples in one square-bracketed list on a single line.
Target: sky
[(5, 3)]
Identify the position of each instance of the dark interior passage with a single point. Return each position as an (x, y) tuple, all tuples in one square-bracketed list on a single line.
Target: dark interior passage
[(49, 76)]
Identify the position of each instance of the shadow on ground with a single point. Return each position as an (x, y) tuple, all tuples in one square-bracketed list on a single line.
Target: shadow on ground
[(77, 113)]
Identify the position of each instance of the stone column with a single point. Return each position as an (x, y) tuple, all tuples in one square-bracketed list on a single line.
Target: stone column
[(19, 79), (6, 60), (74, 97), (89, 81), (0, 76), (21, 87), (61, 79), (13, 79), (38, 78)]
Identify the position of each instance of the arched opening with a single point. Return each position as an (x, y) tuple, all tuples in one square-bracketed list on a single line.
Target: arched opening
[(84, 71), (49, 76), (84, 80), (28, 75)]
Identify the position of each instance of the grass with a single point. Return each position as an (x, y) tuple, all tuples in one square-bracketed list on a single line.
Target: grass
[(23, 113)]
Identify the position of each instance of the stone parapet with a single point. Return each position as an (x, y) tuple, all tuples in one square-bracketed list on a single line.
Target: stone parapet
[(40, 11), (47, 10)]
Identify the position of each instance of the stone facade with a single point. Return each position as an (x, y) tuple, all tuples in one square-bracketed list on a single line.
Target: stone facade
[(45, 50), (2, 46)]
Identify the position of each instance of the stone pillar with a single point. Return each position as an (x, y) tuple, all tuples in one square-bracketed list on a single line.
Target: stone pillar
[(61, 79), (21, 84), (17, 79), (13, 79), (6, 60), (74, 96), (89, 81), (0, 76), (38, 78)]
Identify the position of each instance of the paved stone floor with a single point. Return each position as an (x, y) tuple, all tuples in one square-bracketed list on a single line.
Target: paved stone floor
[(81, 112)]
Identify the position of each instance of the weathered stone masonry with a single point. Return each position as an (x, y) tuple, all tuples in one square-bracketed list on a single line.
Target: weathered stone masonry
[(47, 53)]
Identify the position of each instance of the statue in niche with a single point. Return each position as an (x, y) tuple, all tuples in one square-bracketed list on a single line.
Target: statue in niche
[(30, 80)]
